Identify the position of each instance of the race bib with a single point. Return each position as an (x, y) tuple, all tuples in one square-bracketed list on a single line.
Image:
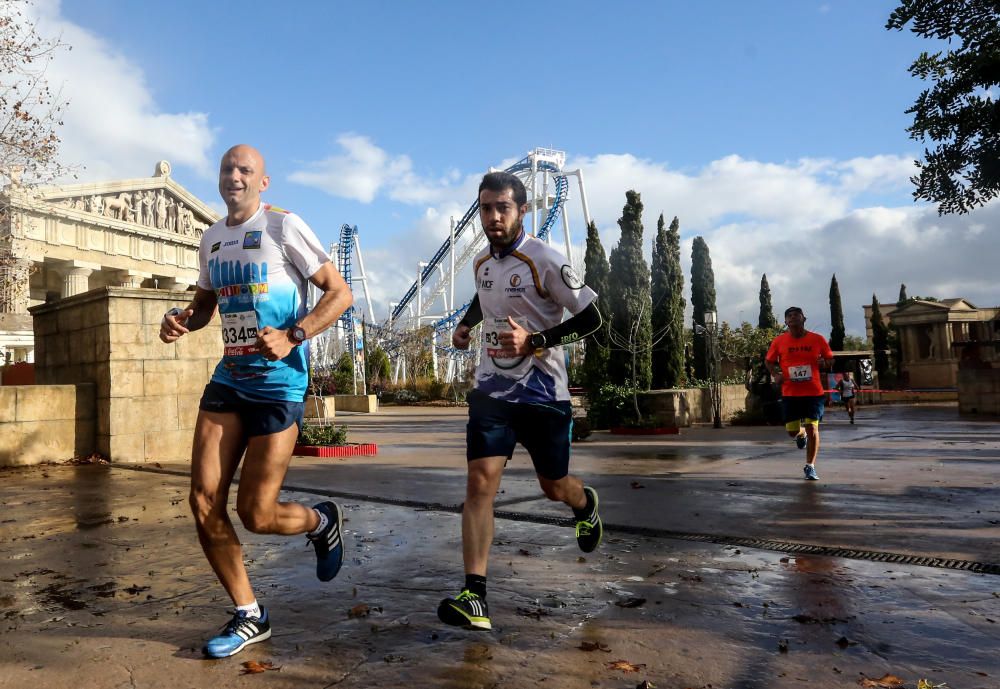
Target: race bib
[(800, 374), (492, 329), (239, 333)]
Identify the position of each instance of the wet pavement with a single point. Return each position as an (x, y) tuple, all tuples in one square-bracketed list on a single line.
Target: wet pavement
[(102, 582)]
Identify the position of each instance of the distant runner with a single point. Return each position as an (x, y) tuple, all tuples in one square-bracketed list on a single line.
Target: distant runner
[(848, 390), (796, 359)]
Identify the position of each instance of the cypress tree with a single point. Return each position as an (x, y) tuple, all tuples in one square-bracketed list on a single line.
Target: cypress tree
[(595, 357), (902, 295), (631, 324), (837, 333), (702, 300), (766, 319), (668, 306), (880, 340)]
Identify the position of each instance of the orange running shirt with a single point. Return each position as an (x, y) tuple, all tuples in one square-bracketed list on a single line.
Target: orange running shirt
[(799, 359)]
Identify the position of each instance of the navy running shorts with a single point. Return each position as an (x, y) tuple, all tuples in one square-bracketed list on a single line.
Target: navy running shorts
[(496, 426), (799, 408), (259, 416)]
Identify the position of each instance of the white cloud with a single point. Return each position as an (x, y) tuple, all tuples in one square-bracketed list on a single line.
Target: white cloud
[(113, 125), (363, 170), (800, 222)]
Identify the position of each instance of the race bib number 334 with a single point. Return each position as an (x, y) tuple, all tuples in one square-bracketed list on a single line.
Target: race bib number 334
[(239, 333)]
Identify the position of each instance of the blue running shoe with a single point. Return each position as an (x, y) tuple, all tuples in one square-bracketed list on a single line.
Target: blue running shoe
[(328, 542), (810, 471), (800, 442), (239, 632)]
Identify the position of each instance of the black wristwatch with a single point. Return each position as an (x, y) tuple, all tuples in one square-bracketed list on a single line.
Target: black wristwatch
[(297, 335), (537, 341)]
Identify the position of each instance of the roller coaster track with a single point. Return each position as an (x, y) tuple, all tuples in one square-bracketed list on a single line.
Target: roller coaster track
[(346, 248), (522, 166)]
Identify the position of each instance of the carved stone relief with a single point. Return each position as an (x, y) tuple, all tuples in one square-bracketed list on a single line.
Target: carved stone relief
[(150, 208)]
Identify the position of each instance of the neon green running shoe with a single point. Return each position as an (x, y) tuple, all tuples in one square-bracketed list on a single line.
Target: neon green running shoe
[(465, 610), (590, 529)]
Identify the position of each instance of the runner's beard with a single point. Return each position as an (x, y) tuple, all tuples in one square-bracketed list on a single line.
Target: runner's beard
[(510, 234)]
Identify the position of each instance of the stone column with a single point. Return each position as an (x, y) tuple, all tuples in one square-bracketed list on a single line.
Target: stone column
[(132, 278), (175, 284), (76, 277), (14, 288)]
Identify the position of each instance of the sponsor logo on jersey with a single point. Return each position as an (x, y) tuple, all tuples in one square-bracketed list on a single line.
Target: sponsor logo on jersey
[(215, 247), (234, 242), (570, 277), (515, 280), (252, 239), (235, 290)]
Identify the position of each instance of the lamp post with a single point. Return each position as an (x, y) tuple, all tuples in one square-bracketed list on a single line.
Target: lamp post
[(715, 382)]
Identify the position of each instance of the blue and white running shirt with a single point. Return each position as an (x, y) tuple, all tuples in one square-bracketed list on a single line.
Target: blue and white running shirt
[(532, 283), (259, 272)]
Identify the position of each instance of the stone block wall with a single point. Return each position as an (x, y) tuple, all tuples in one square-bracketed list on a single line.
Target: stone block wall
[(979, 391), (146, 392), (46, 423), (367, 404), (685, 406)]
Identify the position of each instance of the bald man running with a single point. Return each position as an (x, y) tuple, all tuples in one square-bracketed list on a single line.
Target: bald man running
[(256, 266)]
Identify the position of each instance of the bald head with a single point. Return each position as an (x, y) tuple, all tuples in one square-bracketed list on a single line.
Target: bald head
[(247, 150), (242, 178)]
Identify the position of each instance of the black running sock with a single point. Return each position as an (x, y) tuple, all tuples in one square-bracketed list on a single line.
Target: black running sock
[(476, 584), (588, 509)]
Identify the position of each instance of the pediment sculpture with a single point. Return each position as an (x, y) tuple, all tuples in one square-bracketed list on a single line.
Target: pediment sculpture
[(154, 208)]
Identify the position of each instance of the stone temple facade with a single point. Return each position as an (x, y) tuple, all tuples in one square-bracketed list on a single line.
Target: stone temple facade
[(58, 241)]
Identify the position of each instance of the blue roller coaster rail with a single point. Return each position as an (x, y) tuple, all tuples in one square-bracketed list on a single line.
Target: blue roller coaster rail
[(347, 235), (562, 191)]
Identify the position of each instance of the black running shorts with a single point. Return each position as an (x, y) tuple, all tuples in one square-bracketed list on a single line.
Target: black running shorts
[(259, 416), (496, 426)]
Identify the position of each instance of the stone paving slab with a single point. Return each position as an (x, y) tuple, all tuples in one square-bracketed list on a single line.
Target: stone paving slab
[(102, 583)]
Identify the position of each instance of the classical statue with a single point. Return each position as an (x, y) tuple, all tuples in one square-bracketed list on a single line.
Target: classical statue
[(161, 210), (147, 208), (119, 208), (171, 215)]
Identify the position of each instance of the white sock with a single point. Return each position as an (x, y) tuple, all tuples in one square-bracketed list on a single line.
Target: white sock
[(323, 521), (252, 610)]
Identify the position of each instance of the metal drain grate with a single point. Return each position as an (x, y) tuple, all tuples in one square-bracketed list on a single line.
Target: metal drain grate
[(633, 530)]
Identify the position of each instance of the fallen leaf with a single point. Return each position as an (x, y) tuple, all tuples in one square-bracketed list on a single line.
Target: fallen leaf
[(631, 603), (690, 577), (886, 681), (589, 646), (394, 658), (783, 646), (252, 667), (526, 553), (534, 613), (625, 666), (636, 485), (645, 684), (927, 684), (359, 610), (656, 570), (844, 642)]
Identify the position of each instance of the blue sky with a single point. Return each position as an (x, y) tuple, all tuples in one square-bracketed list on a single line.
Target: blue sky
[(776, 130)]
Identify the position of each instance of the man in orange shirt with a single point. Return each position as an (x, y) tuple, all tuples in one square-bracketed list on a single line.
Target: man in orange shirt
[(796, 359)]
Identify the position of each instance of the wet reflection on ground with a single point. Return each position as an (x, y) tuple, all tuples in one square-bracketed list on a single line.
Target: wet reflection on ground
[(102, 584)]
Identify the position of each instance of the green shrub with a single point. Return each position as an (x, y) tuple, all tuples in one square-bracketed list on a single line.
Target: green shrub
[(314, 434), (612, 405)]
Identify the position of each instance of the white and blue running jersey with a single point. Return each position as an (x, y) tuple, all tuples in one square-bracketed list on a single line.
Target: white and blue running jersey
[(259, 272), (532, 283)]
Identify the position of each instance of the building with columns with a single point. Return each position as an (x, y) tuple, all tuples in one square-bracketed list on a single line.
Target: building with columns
[(937, 336), (58, 241)]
